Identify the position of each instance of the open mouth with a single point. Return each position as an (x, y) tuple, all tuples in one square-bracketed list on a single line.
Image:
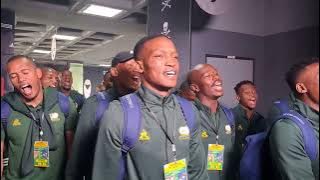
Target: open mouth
[(136, 78), (217, 85), (170, 74), (26, 89), (252, 101)]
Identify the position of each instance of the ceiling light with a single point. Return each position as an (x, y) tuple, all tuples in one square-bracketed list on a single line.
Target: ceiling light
[(41, 51), (105, 65), (64, 37), (100, 10)]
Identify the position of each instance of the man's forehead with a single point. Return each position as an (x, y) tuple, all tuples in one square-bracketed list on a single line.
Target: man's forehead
[(153, 43), (21, 63), (247, 86), (207, 68)]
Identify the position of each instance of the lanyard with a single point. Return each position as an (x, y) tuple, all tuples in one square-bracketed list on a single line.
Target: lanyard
[(173, 146), (38, 122), (214, 129)]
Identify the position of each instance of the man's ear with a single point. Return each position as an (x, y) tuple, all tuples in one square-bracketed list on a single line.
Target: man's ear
[(140, 64), (39, 73), (301, 88), (114, 72), (194, 88)]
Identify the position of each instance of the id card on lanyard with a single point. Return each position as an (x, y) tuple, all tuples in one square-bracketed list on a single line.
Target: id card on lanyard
[(40, 148), (176, 170)]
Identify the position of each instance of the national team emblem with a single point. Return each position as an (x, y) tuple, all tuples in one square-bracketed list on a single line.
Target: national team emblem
[(184, 133), (228, 130), (54, 117), (144, 136), (16, 122), (204, 134)]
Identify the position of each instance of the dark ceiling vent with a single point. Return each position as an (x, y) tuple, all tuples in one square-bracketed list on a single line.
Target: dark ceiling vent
[(56, 2)]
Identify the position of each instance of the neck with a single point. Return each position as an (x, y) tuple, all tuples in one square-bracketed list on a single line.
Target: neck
[(37, 100), (122, 90), (160, 91), (65, 92), (211, 103), (309, 102), (249, 112)]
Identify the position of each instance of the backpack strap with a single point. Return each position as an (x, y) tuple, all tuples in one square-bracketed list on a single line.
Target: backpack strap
[(64, 104), (103, 104), (188, 112), (229, 114), (5, 113), (304, 125), (131, 127)]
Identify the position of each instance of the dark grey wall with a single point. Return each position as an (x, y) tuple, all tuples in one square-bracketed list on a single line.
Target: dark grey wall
[(216, 42), (281, 51), (273, 55)]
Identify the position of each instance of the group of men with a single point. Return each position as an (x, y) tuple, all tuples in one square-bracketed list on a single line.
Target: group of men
[(138, 129)]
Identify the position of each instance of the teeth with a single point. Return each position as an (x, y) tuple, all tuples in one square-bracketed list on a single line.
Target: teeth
[(171, 73), (24, 86)]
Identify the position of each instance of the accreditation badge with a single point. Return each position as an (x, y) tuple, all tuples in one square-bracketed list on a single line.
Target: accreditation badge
[(215, 157), (41, 154), (176, 170)]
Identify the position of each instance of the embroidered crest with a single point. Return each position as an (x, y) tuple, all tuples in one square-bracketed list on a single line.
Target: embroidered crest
[(204, 134), (144, 136), (184, 133), (54, 117), (16, 122), (228, 130)]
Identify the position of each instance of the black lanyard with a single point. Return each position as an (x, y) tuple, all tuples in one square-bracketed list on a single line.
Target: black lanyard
[(213, 128), (38, 120), (173, 146)]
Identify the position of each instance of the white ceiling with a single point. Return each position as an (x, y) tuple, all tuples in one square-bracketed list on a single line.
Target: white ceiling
[(99, 39)]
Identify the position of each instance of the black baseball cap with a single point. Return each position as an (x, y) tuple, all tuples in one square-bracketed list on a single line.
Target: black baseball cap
[(122, 57)]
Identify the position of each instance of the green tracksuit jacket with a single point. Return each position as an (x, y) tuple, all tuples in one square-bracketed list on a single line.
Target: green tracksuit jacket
[(213, 124), (287, 149), (81, 161), (246, 127), (153, 150), (15, 136)]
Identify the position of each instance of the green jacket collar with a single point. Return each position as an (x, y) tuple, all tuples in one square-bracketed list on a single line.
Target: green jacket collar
[(242, 112), (203, 107), (152, 98), (16, 102), (305, 110)]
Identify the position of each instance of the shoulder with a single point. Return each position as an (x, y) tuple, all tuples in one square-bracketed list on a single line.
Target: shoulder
[(285, 132), (113, 117)]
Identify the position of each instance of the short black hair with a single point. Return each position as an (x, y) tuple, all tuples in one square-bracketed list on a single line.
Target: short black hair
[(139, 45), (296, 69), (19, 57), (241, 83), (13, 58)]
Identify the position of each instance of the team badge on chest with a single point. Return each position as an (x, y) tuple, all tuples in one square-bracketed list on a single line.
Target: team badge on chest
[(228, 129), (54, 117), (184, 133), (144, 135), (204, 134), (16, 122)]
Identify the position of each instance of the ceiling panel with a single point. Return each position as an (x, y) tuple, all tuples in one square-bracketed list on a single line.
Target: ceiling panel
[(97, 39)]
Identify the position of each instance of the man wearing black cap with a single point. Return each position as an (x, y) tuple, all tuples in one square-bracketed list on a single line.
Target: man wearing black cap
[(125, 75)]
